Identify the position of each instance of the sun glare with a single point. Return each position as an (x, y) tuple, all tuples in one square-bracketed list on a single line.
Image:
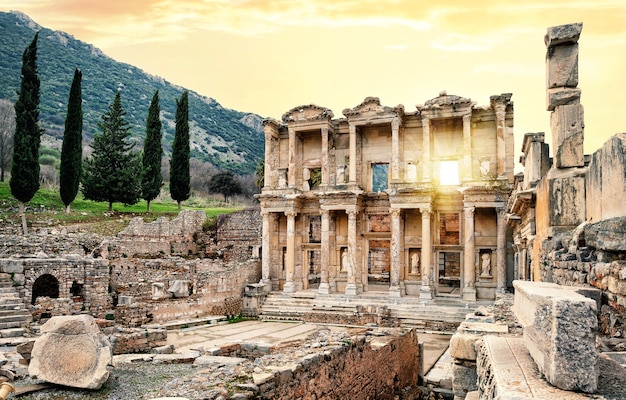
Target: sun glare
[(449, 173)]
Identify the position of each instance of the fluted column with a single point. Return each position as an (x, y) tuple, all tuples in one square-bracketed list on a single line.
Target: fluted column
[(501, 252), (266, 249), (396, 257), (395, 150), (469, 272), (352, 168), (351, 288), (426, 291), (290, 258), (325, 163), (291, 174), (426, 150), (324, 287), (467, 147)]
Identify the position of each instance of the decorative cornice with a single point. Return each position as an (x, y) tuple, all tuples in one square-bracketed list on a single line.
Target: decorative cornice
[(372, 105), (446, 100)]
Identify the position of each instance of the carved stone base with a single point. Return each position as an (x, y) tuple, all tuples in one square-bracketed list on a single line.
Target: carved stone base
[(351, 289), (426, 293), (395, 291), (469, 294), (289, 287), (323, 289)]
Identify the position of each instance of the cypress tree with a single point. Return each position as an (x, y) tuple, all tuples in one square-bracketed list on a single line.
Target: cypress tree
[(25, 167), (151, 179), (113, 173), (72, 148), (179, 165)]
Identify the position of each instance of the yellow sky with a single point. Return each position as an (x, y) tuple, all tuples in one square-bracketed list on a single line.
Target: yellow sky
[(268, 56)]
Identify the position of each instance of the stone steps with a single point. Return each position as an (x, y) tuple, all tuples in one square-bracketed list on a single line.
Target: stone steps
[(14, 317)]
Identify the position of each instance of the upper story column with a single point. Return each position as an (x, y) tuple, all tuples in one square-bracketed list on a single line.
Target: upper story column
[(426, 149), (395, 149), (352, 169), (325, 163), (467, 147), (270, 128), (504, 136), (291, 177)]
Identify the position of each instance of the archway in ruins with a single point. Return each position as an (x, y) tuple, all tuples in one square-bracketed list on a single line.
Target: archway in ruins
[(45, 285)]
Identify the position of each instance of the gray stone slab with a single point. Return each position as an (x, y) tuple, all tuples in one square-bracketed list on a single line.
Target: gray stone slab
[(568, 33)]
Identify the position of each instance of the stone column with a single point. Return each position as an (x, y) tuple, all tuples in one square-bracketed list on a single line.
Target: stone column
[(325, 163), (501, 252), (266, 250), (500, 138), (396, 256), (289, 286), (351, 288), (426, 291), (291, 174), (426, 150), (352, 167), (270, 128), (324, 287), (469, 272), (395, 150), (467, 147)]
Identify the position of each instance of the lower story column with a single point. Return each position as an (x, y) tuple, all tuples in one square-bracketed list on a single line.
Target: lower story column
[(426, 291)]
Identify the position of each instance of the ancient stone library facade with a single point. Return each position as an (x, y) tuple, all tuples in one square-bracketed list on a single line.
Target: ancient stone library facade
[(409, 202)]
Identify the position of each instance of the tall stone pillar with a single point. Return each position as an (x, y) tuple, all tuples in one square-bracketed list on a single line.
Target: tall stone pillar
[(354, 268), (426, 150), (290, 258), (266, 249), (500, 138), (324, 287), (395, 150), (291, 173), (426, 291), (352, 168), (467, 147), (325, 163), (501, 252), (395, 289), (469, 266)]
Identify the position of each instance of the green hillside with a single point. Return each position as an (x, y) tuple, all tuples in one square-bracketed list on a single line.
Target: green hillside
[(226, 138)]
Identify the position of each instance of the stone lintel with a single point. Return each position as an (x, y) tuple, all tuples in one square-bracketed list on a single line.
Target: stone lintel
[(562, 34)]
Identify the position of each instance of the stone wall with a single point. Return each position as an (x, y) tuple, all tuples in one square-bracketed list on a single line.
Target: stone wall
[(363, 369)]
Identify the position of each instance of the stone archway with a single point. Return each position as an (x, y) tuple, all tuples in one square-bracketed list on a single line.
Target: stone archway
[(45, 285)]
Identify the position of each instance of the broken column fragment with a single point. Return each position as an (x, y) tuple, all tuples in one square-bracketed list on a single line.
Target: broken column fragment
[(72, 352)]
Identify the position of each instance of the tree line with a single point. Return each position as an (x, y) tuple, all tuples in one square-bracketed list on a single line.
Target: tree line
[(114, 172)]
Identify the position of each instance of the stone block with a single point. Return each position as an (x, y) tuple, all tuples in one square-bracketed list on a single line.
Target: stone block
[(560, 328), (558, 202), (562, 66), (606, 180), (561, 34), (609, 235), (463, 346), (463, 379), (562, 97), (567, 125)]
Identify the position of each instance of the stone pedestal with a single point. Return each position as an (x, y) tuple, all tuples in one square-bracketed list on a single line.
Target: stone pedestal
[(351, 289), (323, 289), (395, 291), (289, 287), (469, 294), (426, 293)]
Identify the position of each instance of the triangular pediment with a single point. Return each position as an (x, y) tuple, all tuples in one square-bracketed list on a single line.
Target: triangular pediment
[(309, 112), (369, 107)]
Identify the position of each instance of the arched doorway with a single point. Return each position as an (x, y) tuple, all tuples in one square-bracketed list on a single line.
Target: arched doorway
[(45, 285)]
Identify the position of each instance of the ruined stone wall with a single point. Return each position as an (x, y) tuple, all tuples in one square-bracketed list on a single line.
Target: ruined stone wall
[(360, 370), (241, 233)]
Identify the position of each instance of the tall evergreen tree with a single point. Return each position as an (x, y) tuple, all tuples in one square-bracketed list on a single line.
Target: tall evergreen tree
[(72, 148), (113, 173), (179, 165), (25, 167), (151, 179)]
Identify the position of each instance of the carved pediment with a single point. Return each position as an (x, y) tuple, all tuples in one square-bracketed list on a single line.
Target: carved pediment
[(447, 100), (372, 106), (309, 112)]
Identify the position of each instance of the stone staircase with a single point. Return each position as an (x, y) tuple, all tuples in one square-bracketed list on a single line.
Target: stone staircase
[(439, 314), (14, 317)]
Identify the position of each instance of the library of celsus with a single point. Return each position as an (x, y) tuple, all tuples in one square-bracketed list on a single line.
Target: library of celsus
[(386, 199)]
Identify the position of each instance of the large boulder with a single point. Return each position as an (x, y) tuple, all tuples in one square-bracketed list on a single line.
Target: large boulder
[(71, 351)]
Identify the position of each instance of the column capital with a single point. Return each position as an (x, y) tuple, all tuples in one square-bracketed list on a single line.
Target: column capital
[(291, 213), (467, 118), (469, 210), (425, 211), (395, 123), (352, 213), (351, 127), (395, 212), (501, 211)]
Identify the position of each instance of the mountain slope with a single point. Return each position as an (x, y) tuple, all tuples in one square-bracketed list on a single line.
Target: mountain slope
[(227, 138)]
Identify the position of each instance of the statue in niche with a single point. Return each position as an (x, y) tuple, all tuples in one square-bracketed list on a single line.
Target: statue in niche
[(282, 178), (485, 264), (306, 176), (485, 169), (341, 174), (411, 172), (415, 262), (347, 264)]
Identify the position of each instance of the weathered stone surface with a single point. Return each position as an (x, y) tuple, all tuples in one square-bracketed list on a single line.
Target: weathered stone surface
[(72, 352), (560, 332), (463, 345), (606, 180), (608, 235), (561, 97), (562, 66), (463, 379), (558, 200), (567, 125), (561, 34)]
